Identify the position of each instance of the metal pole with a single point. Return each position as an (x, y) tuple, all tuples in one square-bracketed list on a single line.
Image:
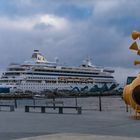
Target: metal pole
[(33, 101), (15, 103), (126, 108), (54, 103), (76, 101), (100, 102)]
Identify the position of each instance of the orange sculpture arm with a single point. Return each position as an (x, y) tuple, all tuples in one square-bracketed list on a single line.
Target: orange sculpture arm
[(131, 94)]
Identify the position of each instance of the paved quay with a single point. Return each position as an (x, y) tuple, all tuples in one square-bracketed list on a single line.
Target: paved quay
[(78, 137), (112, 122)]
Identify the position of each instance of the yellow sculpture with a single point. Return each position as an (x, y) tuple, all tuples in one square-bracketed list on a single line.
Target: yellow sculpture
[(135, 35), (131, 92)]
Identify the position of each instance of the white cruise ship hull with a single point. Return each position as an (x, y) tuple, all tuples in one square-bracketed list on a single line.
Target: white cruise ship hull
[(39, 76)]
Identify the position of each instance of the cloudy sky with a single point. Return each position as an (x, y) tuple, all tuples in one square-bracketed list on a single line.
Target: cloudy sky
[(71, 30)]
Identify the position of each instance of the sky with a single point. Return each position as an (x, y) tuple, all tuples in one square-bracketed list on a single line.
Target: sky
[(71, 30)]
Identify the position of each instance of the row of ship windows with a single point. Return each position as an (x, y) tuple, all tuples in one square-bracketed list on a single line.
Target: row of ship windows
[(57, 83), (56, 74), (56, 71), (60, 71), (44, 88), (64, 82), (54, 82), (42, 78)]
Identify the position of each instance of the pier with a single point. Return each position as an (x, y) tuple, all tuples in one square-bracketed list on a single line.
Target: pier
[(112, 122)]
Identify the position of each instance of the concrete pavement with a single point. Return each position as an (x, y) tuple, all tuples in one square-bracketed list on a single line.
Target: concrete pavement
[(78, 137), (112, 122)]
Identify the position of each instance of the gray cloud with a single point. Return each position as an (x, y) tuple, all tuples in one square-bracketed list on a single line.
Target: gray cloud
[(104, 35)]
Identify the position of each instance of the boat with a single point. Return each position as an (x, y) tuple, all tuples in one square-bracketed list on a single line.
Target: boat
[(38, 75)]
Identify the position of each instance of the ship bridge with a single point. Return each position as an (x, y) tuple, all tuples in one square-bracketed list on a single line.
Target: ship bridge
[(38, 57)]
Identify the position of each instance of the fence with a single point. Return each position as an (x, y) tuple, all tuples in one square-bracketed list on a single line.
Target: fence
[(105, 103)]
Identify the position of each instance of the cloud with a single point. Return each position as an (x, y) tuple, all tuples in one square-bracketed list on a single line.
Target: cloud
[(22, 23), (70, 31), (28, 23), (101, 7), (57, 22), (122, 73)]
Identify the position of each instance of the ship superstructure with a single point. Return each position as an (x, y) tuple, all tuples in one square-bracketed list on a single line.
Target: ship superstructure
[(39, 75)]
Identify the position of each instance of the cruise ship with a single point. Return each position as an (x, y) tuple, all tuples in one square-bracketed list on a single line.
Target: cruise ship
[(38, 75)]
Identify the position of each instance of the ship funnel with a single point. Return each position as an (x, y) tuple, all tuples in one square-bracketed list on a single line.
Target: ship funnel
[(38, 57), (36, 50)]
